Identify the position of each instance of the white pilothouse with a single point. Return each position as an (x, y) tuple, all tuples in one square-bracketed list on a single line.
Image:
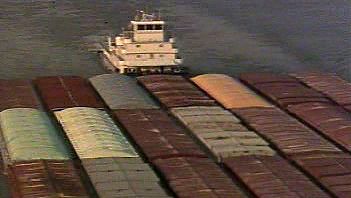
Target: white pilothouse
[(143, 48)]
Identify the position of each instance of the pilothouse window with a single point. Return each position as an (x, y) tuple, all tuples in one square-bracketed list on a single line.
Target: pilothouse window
[(149, 27), (158, 27), (141, 27)]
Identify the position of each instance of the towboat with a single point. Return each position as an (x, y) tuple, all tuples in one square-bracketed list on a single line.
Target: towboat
[(143, 48)]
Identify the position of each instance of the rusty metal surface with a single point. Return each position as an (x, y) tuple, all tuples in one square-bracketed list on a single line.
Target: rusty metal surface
[(156, 134), (283, 89), (220, 139), (259, 78), (284, 131), (331, 85), (333, 170), (17, 94), (123, 177), (175, 91), (33, 179), (228, 91), (197, 177), (331, 120), (60, 92), (272, 175)]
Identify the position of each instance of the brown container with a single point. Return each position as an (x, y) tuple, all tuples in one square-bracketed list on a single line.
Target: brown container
[(284, 131), (331, 85), (60, 92), (32, 179), (330, 120), (283, 89), (197, 177), (17, 94), (175, 91), (333, 170), (272, 175), (157, 134), (260, 78)]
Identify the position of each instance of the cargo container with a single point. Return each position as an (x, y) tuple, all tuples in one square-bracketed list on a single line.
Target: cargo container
[(283, 89), (186, 168), (61, 92), (336, 88), (260, 78), (29, 135), (296, 142), (273, 177), (221, 132), (197, 177), (174, 91), (123, 177), (284, 131), (332, 121), (45, 178), (331, 169), (245, 154), (313, 108), (157, 135), (122, 92), (93, 133), (229, 92), (17, 94)]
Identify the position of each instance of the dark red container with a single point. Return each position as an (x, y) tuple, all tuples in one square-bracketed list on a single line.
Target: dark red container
[(60, 92), (33, 179), (331, 120), (17, 94), (283, 89), (260, 78), (331, 85), (157, 134), (197, 177), (175, 91), (272, 175), (284, 131), (333, 170)]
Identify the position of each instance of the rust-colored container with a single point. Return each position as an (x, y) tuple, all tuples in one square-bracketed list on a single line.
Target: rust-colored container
[(175, 91), (331, 120), (333, 170), (331, 85), (33, 179), (259, 78), (17, 94), (273, 175), (283, 89), (197, 177), (61, 92), (157, 134), (284, 131)]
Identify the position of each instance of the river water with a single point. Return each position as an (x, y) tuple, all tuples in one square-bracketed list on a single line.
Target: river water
[(40, 37)]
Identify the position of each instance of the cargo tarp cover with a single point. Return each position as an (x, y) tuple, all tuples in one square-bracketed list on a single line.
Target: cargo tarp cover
[(93, 133), (122, 92), (29, 134), (228, 91), (221, 132)]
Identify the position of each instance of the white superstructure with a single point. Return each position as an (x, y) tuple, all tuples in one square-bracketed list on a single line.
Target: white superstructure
[(143, 48)]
